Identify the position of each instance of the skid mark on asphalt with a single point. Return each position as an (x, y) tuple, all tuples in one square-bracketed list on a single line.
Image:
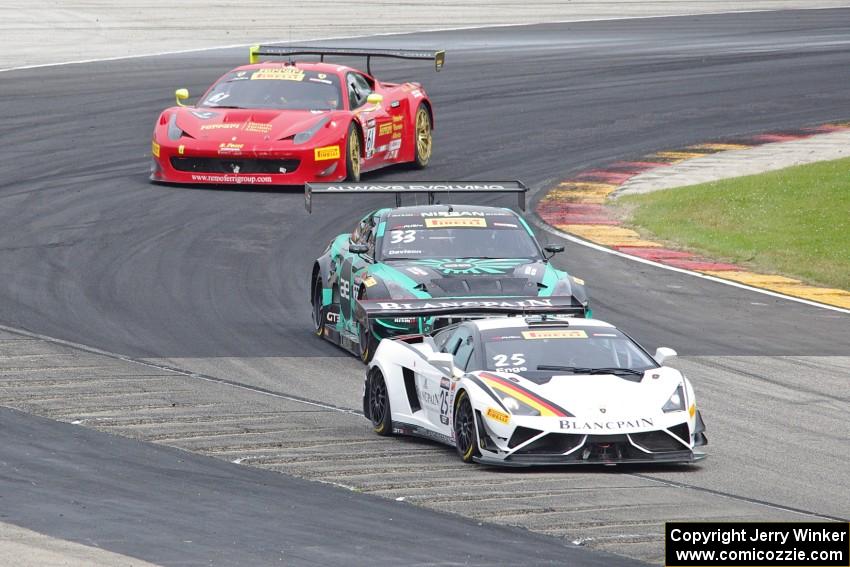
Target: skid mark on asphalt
[(577, 207), (617, 511)]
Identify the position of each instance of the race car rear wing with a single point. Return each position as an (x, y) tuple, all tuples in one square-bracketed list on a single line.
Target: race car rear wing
[(257, 51), (468, 307), (429, 188)]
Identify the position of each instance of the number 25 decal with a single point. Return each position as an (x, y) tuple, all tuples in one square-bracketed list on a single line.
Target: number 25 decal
[(402, 236), (516, 359)]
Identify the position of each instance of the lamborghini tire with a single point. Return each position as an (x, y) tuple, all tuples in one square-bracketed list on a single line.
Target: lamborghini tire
[(465, 431), (378, 402)]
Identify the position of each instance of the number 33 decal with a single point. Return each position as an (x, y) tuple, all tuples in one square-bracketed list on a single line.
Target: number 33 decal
[(402, 236)]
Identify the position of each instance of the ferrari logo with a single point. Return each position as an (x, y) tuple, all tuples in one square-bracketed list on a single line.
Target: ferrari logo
[(235, 167)]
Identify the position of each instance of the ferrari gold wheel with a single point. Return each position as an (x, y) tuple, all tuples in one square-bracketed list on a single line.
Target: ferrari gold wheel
[(352, 156), (423, 136)]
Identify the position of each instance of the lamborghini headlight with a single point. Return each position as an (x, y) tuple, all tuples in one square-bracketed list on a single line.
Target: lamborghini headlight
[(174, 131), (518, 407), (305, 136), (676, 401)]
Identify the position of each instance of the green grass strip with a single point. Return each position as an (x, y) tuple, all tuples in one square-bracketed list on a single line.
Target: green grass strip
[(794, 221)]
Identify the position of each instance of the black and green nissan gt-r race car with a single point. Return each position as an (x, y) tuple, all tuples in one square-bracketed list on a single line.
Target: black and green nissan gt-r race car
[(403, 268)]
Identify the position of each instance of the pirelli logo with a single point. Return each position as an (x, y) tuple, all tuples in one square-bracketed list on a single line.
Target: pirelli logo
[(326, 153), (555, 334), (498, 415), (456, 223)]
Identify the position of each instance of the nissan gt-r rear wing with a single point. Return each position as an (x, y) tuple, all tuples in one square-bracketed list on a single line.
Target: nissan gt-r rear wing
[(429, 188), (257, 51), (468, 307)]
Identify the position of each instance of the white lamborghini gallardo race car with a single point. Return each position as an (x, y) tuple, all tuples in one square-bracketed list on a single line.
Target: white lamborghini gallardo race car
[(532, 390)]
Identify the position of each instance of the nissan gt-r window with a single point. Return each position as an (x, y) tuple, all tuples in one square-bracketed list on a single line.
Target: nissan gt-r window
[(567, 350), (276, 88), (415, 238)]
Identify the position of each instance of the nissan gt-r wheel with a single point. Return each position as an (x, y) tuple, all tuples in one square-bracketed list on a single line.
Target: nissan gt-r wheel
[(318, 320), (465, 432), (422, 136), (368, 344), (378, 401), (352, 154)]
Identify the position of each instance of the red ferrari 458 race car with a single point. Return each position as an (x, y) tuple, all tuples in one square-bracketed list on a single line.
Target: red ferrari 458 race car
[(288, 123)]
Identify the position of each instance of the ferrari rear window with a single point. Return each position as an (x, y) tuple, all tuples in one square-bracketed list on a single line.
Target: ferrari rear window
[(276, 88)]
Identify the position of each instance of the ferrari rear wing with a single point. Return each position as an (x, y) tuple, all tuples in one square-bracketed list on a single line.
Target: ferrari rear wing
[(257, 51), (429, 188), (467, 306)]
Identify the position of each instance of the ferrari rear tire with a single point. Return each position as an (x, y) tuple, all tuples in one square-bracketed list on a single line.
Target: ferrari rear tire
[(378, 400), (422, 138), (318, 319), (465, 431), (352, 154)]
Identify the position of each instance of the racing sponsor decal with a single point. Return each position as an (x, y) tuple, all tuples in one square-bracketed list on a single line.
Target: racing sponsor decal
[(555, 334), (224, 126), (155, 149), (526, 396), (497, 415), (370, 281), (397, 118), (417, 271), (573, 425), (326, 153), (451, 214), (230, 147), (394, 145), (279, 74), (237, 179), (386, 129), (259, 127), (427, 304), (455, 223), (445, 383)]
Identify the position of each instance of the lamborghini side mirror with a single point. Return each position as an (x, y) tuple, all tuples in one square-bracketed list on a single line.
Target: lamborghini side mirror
[(442, 361), (663, 354), (358, 248), (180, 95)]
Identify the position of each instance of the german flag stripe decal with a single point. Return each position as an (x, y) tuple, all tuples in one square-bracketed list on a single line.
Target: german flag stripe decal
[(546, 408)]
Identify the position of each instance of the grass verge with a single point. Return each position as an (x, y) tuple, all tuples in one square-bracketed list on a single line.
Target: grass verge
[(794, 221)]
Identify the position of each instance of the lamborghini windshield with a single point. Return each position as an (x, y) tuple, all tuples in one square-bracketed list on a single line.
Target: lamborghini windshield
[(465, 236), (276, 88), (567, 350)]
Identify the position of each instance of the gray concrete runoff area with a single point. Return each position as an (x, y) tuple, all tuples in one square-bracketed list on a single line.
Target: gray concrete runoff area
[(37, 32), (620, 511)]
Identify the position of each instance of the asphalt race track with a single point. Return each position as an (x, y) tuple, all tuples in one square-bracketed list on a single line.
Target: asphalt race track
[(215, 281)]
